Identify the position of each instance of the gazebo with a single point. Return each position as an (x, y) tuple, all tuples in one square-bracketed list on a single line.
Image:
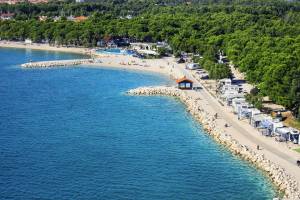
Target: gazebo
[(184, 83)]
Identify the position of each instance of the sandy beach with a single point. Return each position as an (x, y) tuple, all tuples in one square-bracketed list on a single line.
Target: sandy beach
[(45, 47), (163, 66), (279, 153)]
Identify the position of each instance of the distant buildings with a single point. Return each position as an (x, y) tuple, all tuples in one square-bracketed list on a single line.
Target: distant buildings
[(70, 18), (56, 18), (80, 19), (6, 16), (43, 18), (126, 17), (144, 48), (113, 43), (37, 1), (79, 1), (28, 41), (20, 1)]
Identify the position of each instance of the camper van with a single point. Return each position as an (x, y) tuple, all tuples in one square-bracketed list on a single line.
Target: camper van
[(192, 66)]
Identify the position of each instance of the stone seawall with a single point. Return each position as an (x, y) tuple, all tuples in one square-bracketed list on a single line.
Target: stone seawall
[(278, 175), (57, 63)]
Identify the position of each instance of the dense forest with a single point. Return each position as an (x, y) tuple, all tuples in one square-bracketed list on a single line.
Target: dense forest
[(261, 38)]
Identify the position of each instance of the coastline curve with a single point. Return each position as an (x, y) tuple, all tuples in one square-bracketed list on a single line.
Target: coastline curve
[(278, 175)]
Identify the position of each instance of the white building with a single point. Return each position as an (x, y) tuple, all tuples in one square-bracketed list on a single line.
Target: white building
[(28, 41), (144, 48)]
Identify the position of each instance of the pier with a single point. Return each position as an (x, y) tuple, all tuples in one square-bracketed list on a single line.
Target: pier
[(59, 63)]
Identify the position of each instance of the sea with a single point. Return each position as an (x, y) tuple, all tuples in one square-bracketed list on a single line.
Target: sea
[(73, 134)]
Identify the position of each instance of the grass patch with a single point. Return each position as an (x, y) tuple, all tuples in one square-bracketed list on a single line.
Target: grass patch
[(292, 122), (297, 150)]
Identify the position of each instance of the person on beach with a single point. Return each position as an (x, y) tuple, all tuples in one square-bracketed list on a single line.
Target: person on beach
[(216, 115), (257, 147)]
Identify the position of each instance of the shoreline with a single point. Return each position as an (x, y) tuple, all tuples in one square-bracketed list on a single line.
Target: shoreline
[(108, 60), (278, 176), (43, 47), (243, 147)]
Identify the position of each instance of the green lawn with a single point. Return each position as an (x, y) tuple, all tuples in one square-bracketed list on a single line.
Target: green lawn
[(298, 150)]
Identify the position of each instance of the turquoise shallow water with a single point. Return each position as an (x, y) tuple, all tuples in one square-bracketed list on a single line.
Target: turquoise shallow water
[(72, 134)]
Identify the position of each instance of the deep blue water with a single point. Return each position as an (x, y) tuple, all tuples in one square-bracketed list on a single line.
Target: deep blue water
[(71, 133)]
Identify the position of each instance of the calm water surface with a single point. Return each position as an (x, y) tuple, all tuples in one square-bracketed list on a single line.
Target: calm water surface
[(71, 133)]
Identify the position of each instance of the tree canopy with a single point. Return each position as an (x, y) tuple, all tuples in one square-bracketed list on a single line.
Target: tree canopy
[(261, 38)]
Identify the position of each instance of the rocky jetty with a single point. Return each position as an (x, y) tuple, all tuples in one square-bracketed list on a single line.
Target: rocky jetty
[(57, 63), (278, 175)]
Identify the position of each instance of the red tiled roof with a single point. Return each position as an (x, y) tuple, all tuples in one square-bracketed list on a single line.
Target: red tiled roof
[(7, 14), (183, 79), (80, 18)]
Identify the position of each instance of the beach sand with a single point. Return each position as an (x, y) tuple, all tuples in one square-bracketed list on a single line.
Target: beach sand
[(163, 66), (45, 47)]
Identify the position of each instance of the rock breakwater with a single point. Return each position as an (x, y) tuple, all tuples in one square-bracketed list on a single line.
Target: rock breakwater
[(57, 63), (278, 175)]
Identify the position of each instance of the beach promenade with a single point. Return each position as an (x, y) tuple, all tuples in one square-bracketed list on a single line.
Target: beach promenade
[(278, 153), (241, 131), (197, 108)]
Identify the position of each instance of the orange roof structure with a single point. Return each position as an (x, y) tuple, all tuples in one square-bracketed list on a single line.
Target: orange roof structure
[(80, 19), (183, 79)]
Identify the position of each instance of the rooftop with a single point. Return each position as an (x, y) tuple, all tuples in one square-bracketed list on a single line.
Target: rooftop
[(183, 79)]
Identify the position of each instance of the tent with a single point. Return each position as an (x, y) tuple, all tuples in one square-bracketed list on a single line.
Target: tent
[(267, 125), (282, 134), (276, 125), (244, 112), (236, 102), (252, 112), (235, 88), (256, 120), (294, 136), (229, 95)]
